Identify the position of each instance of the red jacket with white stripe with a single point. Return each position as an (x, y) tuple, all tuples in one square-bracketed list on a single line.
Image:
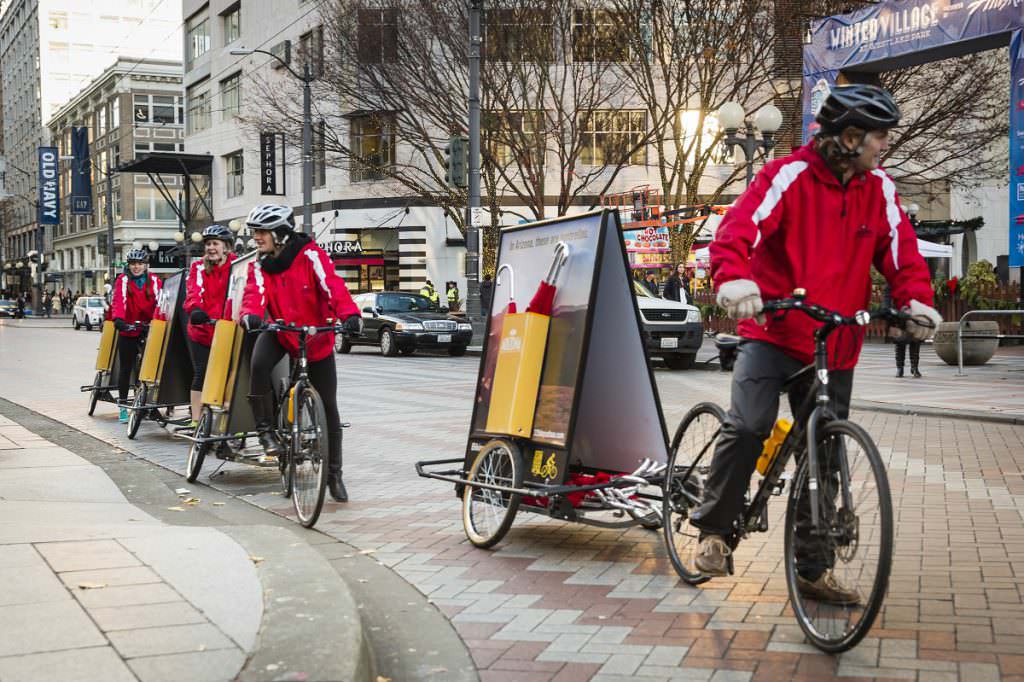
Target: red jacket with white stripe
[(132, 304), (300, 287), (798, 227), (206, 290)]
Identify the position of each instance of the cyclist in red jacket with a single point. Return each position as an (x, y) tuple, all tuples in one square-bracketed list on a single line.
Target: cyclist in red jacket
[(818, 220), (206, 290), (135, 296), (294, 281)]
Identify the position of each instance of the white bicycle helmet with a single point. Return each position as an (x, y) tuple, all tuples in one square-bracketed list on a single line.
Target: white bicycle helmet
[(276, 218)]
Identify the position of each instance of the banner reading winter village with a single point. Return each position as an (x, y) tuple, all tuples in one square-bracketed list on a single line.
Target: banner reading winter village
[(899, 34)]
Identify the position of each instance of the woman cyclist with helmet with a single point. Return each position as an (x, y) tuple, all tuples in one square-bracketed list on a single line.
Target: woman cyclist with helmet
[(206, 291), (294, 280), (817, 219), (135, 295)]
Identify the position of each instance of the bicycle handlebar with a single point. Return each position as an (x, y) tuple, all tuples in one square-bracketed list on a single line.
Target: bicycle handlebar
[(282, 326), (836, 319)]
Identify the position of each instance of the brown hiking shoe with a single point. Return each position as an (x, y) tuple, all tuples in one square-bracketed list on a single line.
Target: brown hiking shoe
[(828, 589), (713, 556)]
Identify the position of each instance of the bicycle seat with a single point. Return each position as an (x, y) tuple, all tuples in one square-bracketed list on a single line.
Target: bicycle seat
[(727, 345), (796, 378)]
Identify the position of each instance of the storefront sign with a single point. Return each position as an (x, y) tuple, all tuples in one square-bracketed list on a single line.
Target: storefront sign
[(341, 247), (81, 178), (49, 196), (167, 257), (268, 163), (648, 240)]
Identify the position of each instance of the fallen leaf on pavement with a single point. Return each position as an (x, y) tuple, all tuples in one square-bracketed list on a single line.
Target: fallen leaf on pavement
[(181, 491), (256, 559), (368, 551), (91, 586), (175, 509), (192, 500), (218, 504)]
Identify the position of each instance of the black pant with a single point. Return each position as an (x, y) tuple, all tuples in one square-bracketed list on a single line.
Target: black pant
[(200, 358), (127, 351), (901, 353), (322, 374), (761, 369)]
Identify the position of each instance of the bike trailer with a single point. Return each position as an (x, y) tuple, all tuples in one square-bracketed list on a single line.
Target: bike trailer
[(222, 356), (149, 371)]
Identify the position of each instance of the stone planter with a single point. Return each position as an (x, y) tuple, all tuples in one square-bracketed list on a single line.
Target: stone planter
[(976, 351)]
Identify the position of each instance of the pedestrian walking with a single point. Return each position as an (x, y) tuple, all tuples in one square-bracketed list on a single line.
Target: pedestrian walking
[(452, 295), (651, 283), (678, 286), (902, 343)]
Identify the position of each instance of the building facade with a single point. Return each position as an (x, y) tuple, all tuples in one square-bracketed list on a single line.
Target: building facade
[(133, 107), (49, 51)]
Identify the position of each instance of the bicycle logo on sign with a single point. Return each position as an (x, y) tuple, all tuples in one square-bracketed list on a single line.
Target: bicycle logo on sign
[(546, 470)]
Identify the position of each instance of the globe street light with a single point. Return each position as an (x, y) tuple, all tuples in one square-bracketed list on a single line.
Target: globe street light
[(307, 134), (768, 120)]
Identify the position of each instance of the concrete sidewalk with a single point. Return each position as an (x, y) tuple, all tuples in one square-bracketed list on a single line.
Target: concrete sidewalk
[(95, 588)]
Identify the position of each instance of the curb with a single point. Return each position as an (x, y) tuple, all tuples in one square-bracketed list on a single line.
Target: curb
[(940, 412)]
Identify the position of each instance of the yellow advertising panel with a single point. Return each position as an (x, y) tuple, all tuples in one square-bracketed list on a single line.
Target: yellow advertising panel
[(154, 349), (219, 365), (108, 343), (517, 373)]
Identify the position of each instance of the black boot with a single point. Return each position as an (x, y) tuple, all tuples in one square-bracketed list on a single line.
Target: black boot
[(334, 482), (915, 358), (337, 486), (914, 372), (899, 372), (268, 440), (901, 357)]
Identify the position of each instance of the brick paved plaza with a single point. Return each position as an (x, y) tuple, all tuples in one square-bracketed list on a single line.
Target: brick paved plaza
[(556, 601)]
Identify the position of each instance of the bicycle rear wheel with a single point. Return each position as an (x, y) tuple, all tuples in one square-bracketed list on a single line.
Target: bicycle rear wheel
[(135, 414), (488, 514), (308, 457), (197, 451), (690, 454), (856, 545)]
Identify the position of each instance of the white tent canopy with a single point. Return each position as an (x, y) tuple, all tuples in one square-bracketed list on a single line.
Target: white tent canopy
[(927, 249)]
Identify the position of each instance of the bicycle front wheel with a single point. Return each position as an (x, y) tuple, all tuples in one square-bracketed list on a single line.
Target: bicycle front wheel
[(197, 451), (690, 455), (94, 394), (135, 414), (308, 459), (488, 514), (838, 572)]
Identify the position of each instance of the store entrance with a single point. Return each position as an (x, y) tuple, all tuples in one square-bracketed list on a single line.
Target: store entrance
[(370, 271)]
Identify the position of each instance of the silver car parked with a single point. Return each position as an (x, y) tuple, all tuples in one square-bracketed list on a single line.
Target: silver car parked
[(88, 312)]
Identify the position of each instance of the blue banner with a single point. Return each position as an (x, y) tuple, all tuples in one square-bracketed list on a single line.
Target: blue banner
[(49, 195), (1017, 150), (816, 91), (81, 178), (894, 29)]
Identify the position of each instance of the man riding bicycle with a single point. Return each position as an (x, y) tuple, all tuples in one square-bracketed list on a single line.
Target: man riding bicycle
[(206, 291), (294, 280), (135, 295), (817, 219)]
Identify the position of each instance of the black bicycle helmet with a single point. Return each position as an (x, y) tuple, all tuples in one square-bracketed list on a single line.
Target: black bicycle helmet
[(218, 232), (276, 218), (867, 107), (137, 256)]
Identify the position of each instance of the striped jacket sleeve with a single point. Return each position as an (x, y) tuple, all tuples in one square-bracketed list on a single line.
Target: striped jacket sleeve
[(119, 298), (194, 288), (254, 298), (755, 216), (896, 254), (331, 285)]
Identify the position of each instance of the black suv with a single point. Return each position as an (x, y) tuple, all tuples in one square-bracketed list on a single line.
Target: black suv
[(404, 323)]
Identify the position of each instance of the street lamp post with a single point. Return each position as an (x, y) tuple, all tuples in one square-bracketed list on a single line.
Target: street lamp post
[(768, 120), (473, 312), (307, 133)]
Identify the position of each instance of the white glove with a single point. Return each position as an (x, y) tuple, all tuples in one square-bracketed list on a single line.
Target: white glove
[(741, 298), (923, 322)]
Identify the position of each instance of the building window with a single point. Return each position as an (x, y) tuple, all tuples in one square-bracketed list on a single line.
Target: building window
[(230, 95), (378, 36), (311, 50), (373, 146), (234, 168), (115, 113), (233, 24), (160, 109), (518, 35), (101, 121), (609, 135), (600, 35), (163, 109), (198, 111), (507, 134), (320, 154), (198, 40), (151, 205)]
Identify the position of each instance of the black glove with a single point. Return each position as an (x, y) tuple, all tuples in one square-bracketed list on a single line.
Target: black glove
[(252, 322), (120, 324), (353, 324), (198, 316)]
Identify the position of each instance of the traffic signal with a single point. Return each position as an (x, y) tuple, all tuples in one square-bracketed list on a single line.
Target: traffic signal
[(457, 155)]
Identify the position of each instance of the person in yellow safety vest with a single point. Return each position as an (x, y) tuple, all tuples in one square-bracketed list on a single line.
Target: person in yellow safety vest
[(453, 297), (429, 292)]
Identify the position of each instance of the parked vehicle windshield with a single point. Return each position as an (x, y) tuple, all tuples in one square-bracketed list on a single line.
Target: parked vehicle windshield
[(406, 303)]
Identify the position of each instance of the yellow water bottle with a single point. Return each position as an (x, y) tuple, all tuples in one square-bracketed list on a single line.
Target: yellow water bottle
[(772, 445)]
